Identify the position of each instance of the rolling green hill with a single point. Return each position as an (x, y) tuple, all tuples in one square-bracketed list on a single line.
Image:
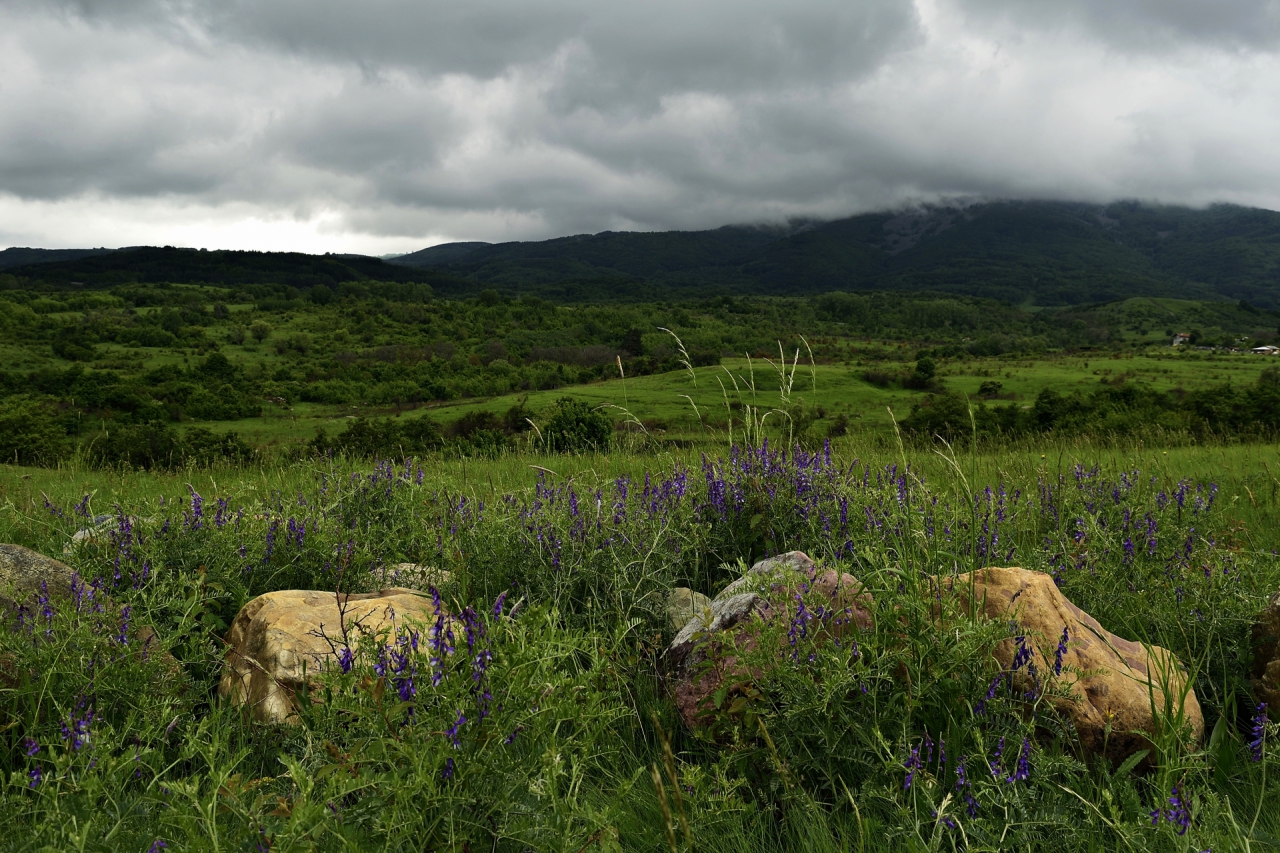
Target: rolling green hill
[(151, 265)]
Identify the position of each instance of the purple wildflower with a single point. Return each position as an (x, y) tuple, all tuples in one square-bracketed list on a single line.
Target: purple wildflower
[(965, 788), (1258, 731), (911, 765), (32, 747), (452, 732), (345, 658), (1023, 770), (1062, 651), (995, 759), (1176, 814)]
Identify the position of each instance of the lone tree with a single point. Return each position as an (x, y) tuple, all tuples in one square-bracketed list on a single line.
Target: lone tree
[(260, 331)]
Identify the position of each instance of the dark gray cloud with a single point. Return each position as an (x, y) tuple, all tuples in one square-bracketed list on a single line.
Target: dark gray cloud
[(383, 125), (1147, 24)]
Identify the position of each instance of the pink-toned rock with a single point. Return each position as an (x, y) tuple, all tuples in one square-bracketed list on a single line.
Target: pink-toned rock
[(701, 659), (1266, 657), (279, 640), (1112, 682)]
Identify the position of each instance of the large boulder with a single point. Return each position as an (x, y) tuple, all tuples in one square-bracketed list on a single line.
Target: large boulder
[(24, 574), (684, 605), (1266, 657), (279, 640), (835, 603), (1111, 683)]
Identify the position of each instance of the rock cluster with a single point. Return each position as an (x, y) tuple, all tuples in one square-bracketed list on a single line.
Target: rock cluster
[(1114, 692), (732, 621)]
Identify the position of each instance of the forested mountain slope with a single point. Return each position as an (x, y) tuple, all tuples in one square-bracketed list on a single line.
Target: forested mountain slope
[(1025, 253), (1048, 253)]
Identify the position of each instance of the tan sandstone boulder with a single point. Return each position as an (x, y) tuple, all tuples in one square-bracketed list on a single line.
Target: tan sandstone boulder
[(1266, 657), (701, 659), (1112, 682), (281, 639)]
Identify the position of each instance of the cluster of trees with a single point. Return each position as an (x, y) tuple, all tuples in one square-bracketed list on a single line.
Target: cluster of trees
[(33, 432), (569, 426), (1251, 411)]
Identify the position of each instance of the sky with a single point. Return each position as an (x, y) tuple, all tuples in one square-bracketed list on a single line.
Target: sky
[(390, 125)]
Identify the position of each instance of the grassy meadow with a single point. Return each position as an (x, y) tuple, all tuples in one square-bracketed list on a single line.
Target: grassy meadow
[(546, 722), (685, 404), (550, 726)]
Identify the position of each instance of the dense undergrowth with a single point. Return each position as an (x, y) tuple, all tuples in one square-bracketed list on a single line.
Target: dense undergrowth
[(539, 720)]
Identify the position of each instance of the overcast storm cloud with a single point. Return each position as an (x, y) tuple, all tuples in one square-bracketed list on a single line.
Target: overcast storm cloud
[(389, 125)]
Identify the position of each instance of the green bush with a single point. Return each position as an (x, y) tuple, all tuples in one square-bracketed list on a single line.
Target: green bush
[(372, 439), (30, 433), (575, 427)]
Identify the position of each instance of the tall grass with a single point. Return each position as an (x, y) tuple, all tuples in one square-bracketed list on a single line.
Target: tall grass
[(550, 729)]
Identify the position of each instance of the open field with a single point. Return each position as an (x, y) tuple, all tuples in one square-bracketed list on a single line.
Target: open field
[(567, 736), (664, 399)]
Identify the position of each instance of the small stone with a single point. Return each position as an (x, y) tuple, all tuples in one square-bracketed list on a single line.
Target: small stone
[(418, 576), (684, 605), (98, 526)]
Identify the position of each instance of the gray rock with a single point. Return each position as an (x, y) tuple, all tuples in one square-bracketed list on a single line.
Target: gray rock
[(418, 576), (764, 574), (100, 527), (733, 623), (23, 572), (684, 605), (723, 614)]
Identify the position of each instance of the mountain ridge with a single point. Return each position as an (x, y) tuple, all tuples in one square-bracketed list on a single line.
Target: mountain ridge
[(1041, 253)]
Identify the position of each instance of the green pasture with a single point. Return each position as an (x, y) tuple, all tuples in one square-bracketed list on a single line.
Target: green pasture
[(689, 405)]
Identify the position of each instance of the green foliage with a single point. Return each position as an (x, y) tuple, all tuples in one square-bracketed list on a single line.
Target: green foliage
[(30, 433), (155, 444), (368, 439), (536, 717), (1225, 411), (575, 427)]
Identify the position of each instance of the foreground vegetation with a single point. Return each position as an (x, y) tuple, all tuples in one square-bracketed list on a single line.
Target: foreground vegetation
[(548, 727)]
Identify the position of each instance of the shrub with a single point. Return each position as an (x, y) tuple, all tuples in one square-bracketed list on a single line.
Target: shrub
[(260, 331), (148, 445), (30, 433), (369, 439), (575, 427)]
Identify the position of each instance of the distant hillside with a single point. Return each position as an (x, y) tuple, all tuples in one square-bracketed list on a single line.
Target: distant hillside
[(446, 253), (17, 257), (1027, 253), (1046, 253), (154, 265)]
